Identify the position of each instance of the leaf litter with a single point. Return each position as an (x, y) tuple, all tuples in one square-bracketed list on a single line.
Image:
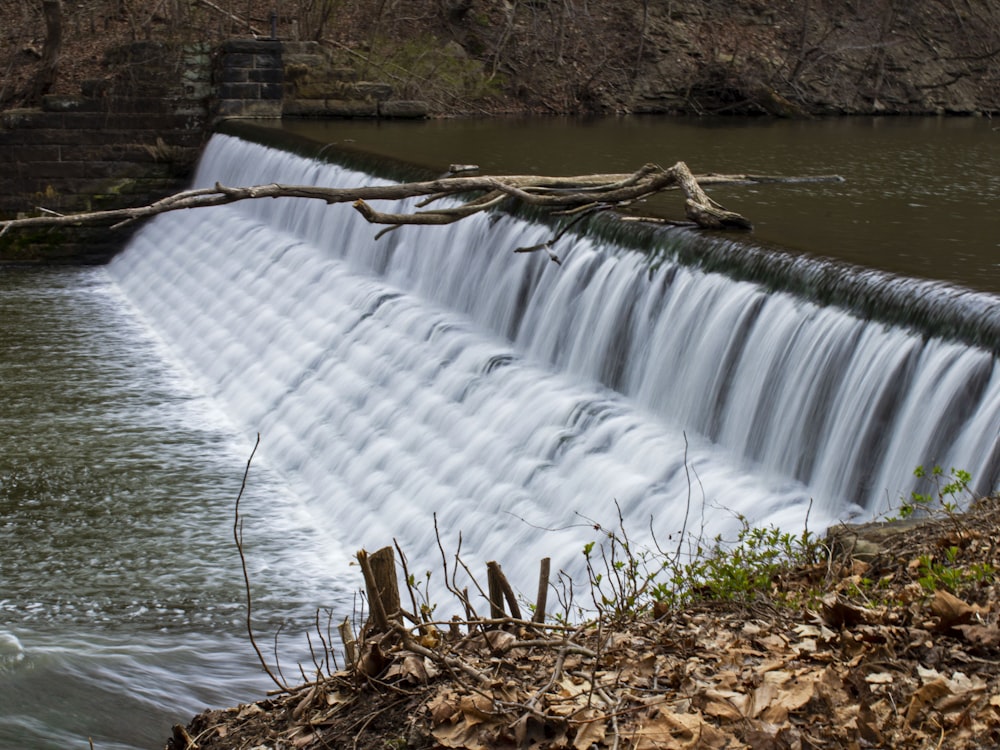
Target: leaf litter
[(846, 653)]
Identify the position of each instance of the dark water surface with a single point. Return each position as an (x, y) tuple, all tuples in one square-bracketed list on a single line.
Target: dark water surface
[(121, 600), (921, 196)]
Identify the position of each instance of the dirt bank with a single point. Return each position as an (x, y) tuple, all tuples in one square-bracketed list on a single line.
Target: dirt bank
[(891, 641)]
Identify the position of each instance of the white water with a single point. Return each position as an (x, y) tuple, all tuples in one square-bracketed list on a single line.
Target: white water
[(433, 372)]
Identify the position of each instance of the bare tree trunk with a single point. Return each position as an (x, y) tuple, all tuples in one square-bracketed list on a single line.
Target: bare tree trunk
[(46, 77)]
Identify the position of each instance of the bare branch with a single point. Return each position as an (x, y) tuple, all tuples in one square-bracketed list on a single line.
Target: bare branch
[(566, 194), (238, 538)]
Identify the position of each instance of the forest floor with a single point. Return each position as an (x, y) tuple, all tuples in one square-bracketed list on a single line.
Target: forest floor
[(886, 635), (489, 57)]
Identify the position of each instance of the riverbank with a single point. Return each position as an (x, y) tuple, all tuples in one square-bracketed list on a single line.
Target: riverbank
[(83, 126), (890, 640), (483, 57)]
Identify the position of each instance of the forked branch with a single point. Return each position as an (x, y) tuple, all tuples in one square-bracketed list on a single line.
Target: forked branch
[(480, 193)]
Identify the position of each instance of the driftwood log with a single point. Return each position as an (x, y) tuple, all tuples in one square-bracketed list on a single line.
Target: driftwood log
[(562, 195)]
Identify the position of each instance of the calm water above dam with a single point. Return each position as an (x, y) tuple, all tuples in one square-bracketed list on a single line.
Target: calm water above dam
[(921, 196), (433, 372)]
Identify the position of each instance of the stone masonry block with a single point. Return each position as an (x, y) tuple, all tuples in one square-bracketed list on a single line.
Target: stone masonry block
[(266, 75), (239, 91)]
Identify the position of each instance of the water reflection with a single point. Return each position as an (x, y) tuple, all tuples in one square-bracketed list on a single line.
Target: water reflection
[(921, 196)]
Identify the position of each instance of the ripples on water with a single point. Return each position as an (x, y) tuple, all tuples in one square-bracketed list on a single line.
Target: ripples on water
[(121, 601)]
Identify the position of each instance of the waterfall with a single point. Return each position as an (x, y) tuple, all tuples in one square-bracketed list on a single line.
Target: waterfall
[(434, 373)]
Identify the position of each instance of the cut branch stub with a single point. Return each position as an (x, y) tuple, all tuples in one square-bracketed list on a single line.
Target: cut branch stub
[(500, 590), (379, 570), (543, 590)]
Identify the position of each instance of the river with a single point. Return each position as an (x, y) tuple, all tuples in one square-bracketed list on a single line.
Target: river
[(133, 395)]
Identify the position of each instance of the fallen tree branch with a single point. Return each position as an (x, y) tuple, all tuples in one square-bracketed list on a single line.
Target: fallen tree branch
[(555, 193), (241, 21)]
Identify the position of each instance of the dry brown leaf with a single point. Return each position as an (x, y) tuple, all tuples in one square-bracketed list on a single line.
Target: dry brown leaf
[(838, 613), (770, 665), (646, 664), (830, 686), (431, 637), (793, 696), (764, 736), (805, 646), (928, 693), (773, 642), (727, 679), (868, 724), (460, 735), (951, 610), (372, 661), (500, 640), (476, 708), (955, 702), (412, 668), (592, 730), (250, 709), (337, 697), (724, 710), (762, 698), (444, 707), (532, 732), (984, 636), (571, 687), (879, 678), (305, 739), (676, 731)]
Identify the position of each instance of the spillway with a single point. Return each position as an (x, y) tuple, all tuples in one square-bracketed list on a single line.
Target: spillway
[(433, 373)]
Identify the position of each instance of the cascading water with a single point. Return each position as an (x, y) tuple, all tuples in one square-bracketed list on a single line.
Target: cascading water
[(433, 372)]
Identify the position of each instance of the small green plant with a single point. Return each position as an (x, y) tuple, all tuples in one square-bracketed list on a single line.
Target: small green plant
[(747, 567), (421, 590), (945, 492), (627, 580), (949, 574), (630, 574)]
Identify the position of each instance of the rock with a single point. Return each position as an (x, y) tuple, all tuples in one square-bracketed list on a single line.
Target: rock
[(404, 109)]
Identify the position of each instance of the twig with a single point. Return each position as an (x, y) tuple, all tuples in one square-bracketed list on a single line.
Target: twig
[(238, 537), (379, 615), (461, 595), (500, 589), (274, 650), (223, 11), (323, 641)]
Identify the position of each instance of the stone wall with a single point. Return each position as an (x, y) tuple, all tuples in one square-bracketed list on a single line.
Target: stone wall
[(134, 137), (123, 141), (249, 79), (316, 86)]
